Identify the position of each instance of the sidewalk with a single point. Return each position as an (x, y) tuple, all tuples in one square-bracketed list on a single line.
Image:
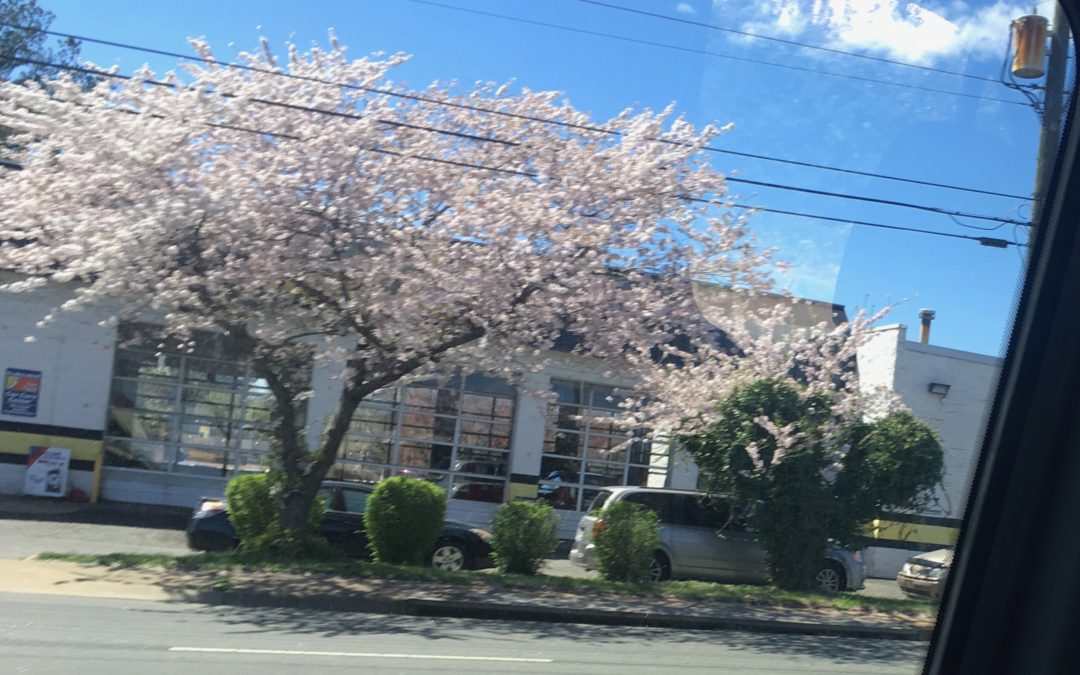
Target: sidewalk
[(19, 507), (476, 601)]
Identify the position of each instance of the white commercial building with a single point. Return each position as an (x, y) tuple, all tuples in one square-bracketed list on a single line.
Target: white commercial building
[(951, 390), (164, 426), (160, 425)]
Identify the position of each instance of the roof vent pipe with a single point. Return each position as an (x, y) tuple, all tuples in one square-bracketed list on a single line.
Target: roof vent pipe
[(926, 316)]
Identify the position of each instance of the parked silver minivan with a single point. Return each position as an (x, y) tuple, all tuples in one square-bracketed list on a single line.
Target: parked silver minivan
[(699, 539)]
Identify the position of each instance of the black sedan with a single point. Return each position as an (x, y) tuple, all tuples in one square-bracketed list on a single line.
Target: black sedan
[(459, 546)]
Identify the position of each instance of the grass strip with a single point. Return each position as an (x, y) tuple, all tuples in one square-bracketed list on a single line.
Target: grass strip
[(700, 591)]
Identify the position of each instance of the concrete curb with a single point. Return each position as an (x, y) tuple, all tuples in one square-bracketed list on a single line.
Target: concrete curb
[(508, 612)]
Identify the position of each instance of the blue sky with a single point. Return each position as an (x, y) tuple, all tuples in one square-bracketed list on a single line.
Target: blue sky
[(812, 117)]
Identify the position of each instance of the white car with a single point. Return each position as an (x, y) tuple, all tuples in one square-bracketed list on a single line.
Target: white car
[(924, 575)]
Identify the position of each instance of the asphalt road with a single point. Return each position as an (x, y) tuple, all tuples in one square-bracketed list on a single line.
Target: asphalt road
[(49, 634)]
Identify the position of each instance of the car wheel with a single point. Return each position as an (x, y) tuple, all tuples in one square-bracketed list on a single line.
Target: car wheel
[(831, 577), (449, 556), (660, 567)]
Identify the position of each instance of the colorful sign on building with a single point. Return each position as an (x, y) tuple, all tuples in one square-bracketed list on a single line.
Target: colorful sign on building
[(47, 471), (21, 391)]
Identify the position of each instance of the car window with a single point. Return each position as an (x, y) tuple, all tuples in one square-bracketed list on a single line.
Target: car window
[(599, 501), (658, 502), (328, 496), (683, 510), (714, 512), (353, 501)]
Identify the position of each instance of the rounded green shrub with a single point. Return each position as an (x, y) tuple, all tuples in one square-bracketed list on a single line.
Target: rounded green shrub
[(523, 536), (252, 508), (254, 511), (626, 537), (403, 518)]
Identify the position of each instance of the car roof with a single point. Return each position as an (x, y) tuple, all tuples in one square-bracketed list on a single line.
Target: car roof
[(623, 489), (347, 484)]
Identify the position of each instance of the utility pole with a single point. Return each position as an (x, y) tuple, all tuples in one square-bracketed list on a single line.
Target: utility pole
[(1051, 115)]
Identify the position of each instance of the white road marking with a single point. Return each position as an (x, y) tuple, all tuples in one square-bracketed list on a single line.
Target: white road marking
[(371, 655)]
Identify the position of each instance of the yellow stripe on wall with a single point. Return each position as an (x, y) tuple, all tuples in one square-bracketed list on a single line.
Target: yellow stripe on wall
[(521, 491), (19, 443), (914, 532)]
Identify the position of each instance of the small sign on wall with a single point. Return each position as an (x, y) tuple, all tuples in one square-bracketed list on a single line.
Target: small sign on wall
[(47, 471), (21, 391)]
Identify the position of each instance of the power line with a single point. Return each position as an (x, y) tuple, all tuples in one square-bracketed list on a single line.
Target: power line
[(793, 43), (504, 113), (706, 52), (985, 241), (870, 174), (875, 200), (353, 116)]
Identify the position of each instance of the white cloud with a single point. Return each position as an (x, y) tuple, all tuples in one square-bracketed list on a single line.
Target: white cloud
[(892, 28), (685, 8)]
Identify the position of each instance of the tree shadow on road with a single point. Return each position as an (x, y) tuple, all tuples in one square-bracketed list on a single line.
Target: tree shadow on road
[(847, 650)]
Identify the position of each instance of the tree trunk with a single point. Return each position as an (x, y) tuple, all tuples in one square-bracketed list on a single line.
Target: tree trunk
[(296, 509)]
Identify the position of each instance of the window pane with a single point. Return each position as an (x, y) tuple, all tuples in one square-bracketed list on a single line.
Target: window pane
[(563, 443), (479, 382), (478, 489), (443, 401), (359, 473), (602, 422), (478, 405), (482, 462), (384, 395), (136, 454), (374, 420), (205, 402), (251, 462), (604, 397), (138, 364), (366, 449), (253, 437), (641, 452), (559, 495), (603, 474), (504, 408), (143, 395), (431, 456), (483, 434), (559, 470), (646, 476), (568, 417), (132, 424), (204, 461), (437, 477), (219, 373), (257, 412), (607, 448), (569, 393), (427, 427)]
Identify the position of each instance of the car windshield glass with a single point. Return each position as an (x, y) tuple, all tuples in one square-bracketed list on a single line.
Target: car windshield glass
[(599, 501), (494, 264)]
